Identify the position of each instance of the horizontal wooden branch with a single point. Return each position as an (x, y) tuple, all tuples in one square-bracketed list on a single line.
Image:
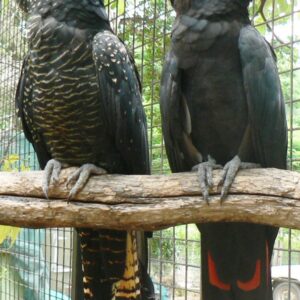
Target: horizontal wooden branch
[(265, 196)]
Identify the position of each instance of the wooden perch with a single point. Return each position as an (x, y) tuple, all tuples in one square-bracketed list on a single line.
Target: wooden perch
[(267, 196)]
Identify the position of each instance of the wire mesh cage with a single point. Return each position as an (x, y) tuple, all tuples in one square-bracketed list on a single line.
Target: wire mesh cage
[(37, 264)]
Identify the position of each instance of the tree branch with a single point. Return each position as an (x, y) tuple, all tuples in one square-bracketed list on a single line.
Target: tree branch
[(265, 196)]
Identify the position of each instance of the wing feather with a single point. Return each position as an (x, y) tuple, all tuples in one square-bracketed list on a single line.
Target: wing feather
[(24, 103), (181, 152), (122, 101), (266, 107)]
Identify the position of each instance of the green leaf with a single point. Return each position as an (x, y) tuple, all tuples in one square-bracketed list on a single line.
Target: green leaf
[(121, 7)]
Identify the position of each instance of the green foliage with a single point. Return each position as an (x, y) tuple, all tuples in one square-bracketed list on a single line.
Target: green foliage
[(8, 236), (12, 162), (187, 238), (3, 272), (12, 23), (117, 6)]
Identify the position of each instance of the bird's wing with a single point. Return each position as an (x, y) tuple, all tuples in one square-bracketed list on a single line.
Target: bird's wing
[(120, 92), (176, 119), (121, 97), (266, 110), (23, 99)]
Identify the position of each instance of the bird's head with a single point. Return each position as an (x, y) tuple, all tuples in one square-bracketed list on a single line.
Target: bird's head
[(58, 8), (181, 6)]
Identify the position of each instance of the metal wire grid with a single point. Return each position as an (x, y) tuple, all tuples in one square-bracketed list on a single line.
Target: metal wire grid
[(145, 26)]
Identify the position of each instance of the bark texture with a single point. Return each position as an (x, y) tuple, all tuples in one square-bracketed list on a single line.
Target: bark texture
[(265, 196)]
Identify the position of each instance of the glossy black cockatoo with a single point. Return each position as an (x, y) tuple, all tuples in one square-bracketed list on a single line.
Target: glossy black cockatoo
[(222, 104), (79, 100)]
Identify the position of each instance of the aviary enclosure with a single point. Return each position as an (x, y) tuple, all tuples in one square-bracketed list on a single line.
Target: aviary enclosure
[(37, 264)]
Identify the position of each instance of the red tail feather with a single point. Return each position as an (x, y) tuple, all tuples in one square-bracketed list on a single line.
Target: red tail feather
[(254, 282), (213, 275)]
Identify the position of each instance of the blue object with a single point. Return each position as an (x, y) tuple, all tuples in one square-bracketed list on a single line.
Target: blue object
[(161, 291)]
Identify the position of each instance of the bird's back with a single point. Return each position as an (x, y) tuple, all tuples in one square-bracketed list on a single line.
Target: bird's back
[(66, 105)]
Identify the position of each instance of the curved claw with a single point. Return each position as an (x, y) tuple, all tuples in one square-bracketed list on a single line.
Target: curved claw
[(229, 172), (81, 176), (228, 175), (205, 178), (51, 175)]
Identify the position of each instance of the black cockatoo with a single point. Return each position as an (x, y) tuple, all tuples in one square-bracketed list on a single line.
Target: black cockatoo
[(79, 100), (222, 104)]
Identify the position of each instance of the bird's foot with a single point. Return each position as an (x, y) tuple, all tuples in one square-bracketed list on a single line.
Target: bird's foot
[(204, 171), (51, 174), (81, 176), (229, 172)]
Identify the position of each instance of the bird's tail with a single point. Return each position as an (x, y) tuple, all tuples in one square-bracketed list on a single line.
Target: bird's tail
[(129, 286), (236, 261), (111, 268)]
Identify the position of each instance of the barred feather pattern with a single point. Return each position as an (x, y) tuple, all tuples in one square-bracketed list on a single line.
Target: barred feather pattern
[(66, 96), (62, 113), (105, 254)]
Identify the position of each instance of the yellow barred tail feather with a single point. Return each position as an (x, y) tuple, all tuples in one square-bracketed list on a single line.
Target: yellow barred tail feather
[(129, 287)]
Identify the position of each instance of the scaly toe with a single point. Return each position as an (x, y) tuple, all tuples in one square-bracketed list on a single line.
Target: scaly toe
[(204, 171), (73, 177), (229, 172), (81, 176), (51, 174)]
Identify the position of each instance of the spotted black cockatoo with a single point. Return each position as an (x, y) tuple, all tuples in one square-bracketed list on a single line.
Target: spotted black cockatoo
[(222, 104), (79, 100)]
